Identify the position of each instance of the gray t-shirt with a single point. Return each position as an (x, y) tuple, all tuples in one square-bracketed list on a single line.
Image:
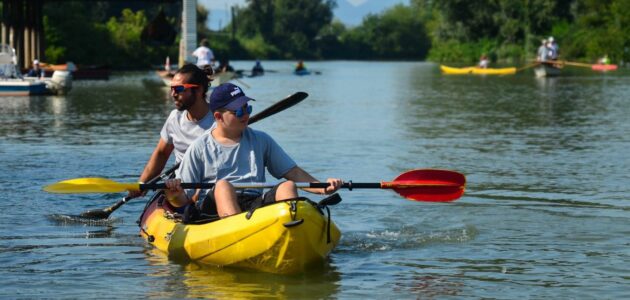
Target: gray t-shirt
[(206, 160), (181, 132)]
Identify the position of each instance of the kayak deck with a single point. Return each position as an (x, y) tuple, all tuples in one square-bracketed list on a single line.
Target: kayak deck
[(285, 237)]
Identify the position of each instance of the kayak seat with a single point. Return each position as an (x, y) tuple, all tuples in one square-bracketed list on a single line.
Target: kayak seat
[(192, 215)]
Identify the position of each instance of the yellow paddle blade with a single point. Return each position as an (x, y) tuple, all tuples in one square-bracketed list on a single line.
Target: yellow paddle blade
[(90, 185)]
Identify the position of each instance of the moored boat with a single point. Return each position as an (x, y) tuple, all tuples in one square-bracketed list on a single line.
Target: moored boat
[(12, 83), (82, 72), (286, 237), (477, 71), (547, 69), (60, 83), (21, 87)]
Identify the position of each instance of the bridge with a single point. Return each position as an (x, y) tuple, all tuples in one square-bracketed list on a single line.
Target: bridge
[(22, 27)]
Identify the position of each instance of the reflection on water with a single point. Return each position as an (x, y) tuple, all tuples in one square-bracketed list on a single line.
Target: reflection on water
[(200, 281)]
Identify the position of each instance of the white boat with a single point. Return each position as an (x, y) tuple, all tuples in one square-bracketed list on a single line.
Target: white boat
[(221, 78), (21, 87), (12, 83), (547, 69)]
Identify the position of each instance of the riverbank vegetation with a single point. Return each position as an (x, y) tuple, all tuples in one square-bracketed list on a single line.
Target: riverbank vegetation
[(507, 31)]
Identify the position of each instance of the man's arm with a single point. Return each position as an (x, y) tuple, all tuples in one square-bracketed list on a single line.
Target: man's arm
[(155, 165), (297, 174), (158, 160)]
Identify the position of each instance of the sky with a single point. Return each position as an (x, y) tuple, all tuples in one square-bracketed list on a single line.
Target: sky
[(349, 12)]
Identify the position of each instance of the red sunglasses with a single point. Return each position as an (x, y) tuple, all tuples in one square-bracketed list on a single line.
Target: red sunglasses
[(180, 88)]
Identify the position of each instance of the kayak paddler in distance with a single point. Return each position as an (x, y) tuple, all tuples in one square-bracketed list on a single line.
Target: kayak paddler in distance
[(233, 153)]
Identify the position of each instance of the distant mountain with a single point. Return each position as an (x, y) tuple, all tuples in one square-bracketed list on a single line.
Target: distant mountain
[(349, 12)]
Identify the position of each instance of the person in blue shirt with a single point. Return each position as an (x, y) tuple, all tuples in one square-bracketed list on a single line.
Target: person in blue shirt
[(231, 152), (36, 71)]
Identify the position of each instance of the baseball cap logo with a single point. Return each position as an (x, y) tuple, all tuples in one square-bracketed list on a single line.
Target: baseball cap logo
[(236, 91)]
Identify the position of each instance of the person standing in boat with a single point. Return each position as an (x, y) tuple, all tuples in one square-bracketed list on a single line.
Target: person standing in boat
[(188, 121), (231, 152), (36, 71), (553, 48), (542, 52), (203, 54)]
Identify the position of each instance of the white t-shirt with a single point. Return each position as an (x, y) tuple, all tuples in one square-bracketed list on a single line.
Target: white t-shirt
[(206, 160), (179, 131), (204, 56)]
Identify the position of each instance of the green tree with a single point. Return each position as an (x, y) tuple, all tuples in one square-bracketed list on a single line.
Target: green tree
[(75, 39), (398, 33), (84, 39), (290, 25), (602, 27)]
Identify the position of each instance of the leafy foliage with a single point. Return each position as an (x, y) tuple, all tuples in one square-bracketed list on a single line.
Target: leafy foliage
[(88, 38), (446, 30)]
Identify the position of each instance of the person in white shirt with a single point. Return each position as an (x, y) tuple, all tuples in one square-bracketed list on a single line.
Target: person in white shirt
[(203, 54)]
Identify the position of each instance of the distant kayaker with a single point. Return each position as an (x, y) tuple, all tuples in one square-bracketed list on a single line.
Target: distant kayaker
[(203, 54), (604, 60), (233, 153), (224, 66), (258, 70), (300, 66), (188, 121), (483, 61)]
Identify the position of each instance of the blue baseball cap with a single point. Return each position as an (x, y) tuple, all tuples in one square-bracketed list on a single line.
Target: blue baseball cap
[(228, 96)]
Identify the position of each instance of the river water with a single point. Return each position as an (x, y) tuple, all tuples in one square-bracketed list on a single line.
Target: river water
[(545, 213)]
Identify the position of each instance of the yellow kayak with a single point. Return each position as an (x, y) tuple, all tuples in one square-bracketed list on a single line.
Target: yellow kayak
[(284, 238), (478, 71)]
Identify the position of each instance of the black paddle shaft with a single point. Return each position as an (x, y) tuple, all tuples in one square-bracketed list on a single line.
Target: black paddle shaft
[(315, 185)]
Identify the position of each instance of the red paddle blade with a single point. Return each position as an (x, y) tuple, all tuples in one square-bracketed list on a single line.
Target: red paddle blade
[(429, 185)]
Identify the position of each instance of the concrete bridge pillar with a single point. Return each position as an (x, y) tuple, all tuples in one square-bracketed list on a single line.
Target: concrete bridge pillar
[(188, 42)]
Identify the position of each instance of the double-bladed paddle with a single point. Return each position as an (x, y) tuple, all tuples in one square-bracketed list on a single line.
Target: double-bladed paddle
[(279, 106), (421, 185)]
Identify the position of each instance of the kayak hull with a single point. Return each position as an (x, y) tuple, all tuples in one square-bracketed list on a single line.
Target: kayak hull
[(603, 68), (302, 72), (477, 71), (547, 70), (284, 238)]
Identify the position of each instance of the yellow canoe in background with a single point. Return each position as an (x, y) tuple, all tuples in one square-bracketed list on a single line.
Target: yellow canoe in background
[(478, 71)]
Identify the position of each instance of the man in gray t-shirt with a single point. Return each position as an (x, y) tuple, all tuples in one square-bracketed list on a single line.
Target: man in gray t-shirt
[(191, 118), (233, 153)]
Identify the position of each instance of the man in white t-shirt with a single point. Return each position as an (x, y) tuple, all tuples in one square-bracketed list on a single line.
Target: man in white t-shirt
[(191, 118), (233, 153), (203, 54)]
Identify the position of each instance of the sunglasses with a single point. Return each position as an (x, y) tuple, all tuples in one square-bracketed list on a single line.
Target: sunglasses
[(180, 88), (239, 113)]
